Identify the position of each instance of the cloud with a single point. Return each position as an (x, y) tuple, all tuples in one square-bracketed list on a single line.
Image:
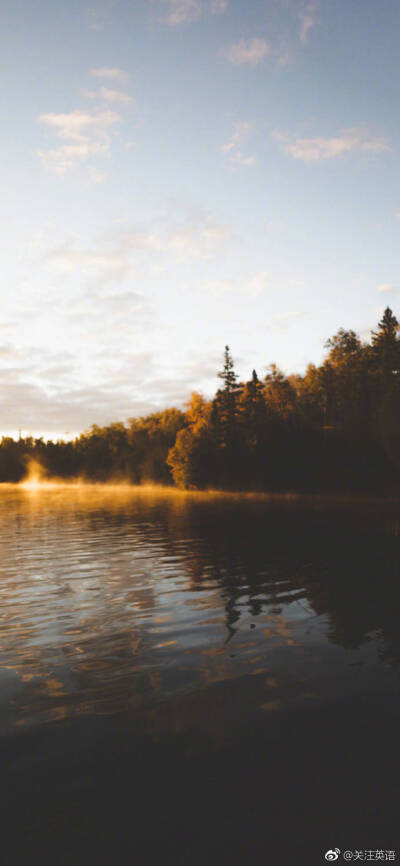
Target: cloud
[(97, 15), (119, 253), (175, 12), (307, 15), (77, 125), (252, 286), (198, 239), (318, 149), (218, 6), (248, 51), (219, 287), (75, 353), (241, 130), (59, 393), (111, 72), (8, 352), (284, 55), (108, 95), (94, 175), (180, 11), (87, 134), (238, 158), (284, 320), (197, 236), (283, 45), (386, 287), (397, 215), (256, 284), (62, 159), (232, 148), (83, 358), (119, 314), (52, 398), (104, 262), (274, 225)]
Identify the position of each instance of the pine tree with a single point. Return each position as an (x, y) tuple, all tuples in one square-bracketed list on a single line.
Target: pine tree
[(225, 419), (228, 374), (385, 357), (386, 345), (252, 413)]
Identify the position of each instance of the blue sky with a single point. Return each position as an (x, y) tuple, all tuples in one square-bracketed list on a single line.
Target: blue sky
[(181, 174)]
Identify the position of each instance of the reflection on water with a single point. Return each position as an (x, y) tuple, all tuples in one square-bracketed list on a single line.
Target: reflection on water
[(117, 599), (209, 613)]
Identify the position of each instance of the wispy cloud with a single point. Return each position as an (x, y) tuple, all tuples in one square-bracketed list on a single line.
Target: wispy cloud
[(252, 286), (218, 6), (98, 14), (320, 148), (115, 96), (103, 262), (248, 51), (86, 134), (175, 12), (256, 284), (107, 286), (274, 225), (179, 11), (48, 394), (114, 73), (283, 46), (238, 158), (386, 287), (232, 148), (200, 239), (285, 320), (94, 175), (241, 130), (63, 159), (113, 257), (78, 125), (308, 17)]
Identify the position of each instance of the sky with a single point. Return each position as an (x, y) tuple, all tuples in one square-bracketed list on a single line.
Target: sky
[(178, 175)]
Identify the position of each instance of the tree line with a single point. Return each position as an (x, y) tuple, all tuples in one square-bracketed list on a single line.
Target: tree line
[(335, 429)]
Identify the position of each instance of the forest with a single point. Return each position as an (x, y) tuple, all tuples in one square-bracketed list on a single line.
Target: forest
[(335, 429)]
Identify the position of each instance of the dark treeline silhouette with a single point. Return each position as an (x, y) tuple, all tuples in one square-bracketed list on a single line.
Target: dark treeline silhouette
[(136, 452), (336, 429)]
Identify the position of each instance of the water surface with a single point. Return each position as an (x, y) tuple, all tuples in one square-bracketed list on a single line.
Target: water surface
[(197, 679)]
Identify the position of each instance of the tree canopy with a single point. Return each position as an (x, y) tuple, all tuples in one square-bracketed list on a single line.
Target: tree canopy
[(336, 428)]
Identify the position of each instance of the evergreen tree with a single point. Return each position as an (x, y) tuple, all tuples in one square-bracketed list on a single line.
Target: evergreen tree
[(225, 402), (228, 374), (226, 426), (252, 410), (385, 357), (385, 344)]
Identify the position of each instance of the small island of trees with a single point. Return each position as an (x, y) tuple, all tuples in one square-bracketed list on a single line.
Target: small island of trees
[(335, 429)]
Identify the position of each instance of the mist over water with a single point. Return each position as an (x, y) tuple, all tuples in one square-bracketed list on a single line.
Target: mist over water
[(148, 636)]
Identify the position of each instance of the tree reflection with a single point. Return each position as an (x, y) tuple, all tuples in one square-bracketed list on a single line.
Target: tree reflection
[(118, 603), (341, 560)]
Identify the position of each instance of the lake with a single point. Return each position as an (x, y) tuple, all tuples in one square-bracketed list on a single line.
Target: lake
[(197, 679)]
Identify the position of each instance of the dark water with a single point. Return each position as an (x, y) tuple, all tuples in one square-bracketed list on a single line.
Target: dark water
[(197, 680)]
